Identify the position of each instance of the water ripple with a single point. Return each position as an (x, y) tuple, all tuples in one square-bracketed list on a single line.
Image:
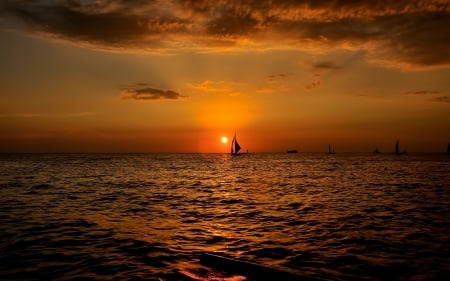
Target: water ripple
[(128, 217)]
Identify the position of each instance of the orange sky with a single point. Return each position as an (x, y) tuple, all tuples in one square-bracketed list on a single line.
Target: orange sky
[(176, 76)]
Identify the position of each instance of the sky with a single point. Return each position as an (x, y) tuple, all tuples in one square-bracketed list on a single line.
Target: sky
[(177, 75)]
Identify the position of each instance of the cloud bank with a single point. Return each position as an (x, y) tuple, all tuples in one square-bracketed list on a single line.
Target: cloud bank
[(404, 33)]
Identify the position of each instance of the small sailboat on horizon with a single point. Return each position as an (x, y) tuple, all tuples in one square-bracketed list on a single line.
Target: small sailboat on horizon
[(330, 151), (397, 149), (235, 147)]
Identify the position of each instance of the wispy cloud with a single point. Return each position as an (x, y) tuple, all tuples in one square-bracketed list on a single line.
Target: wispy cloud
[(22, 115), (275, 83), (215, 86), (312, 85), (442, 99), (320, 69), (421, 93), (378, 98), (272, 83), (46, 115), (227, 87), (326, 65), (141, 91), (403, 33), (439, 99)]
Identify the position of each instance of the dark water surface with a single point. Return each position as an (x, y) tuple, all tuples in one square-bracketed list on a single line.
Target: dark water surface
[(148, 216)]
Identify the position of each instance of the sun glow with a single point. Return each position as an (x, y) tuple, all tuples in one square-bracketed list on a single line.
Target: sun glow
[(224, 139)]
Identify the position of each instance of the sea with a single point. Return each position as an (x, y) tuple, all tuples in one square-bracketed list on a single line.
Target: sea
[(152, 216)]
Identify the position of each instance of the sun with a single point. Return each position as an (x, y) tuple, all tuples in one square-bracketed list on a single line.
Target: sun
[(224, 139)]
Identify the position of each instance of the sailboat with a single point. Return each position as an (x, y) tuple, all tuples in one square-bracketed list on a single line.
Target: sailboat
[(235, 147), (397, 149), (329, 150)]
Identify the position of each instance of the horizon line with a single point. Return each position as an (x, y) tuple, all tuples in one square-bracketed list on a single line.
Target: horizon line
[(258, 152)]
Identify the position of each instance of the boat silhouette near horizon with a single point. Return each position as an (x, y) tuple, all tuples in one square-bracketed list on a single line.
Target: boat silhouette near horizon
[(235, 147), (397, 149), (330, 151)]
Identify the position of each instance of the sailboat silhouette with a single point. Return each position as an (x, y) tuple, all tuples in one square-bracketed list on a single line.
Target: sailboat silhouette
[(235, 147), (330, 151), (397, 149)]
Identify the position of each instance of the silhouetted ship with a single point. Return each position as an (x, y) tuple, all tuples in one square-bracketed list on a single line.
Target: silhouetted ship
[(292, 151), (376, 151), (235, 147), (397, 149), (330, 151)]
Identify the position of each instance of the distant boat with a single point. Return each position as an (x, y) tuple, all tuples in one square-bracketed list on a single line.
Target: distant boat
[(292, 151), (330, 151), (397, 149), (376, 151), (235, 147)]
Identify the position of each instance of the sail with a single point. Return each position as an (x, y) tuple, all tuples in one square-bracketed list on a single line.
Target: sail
[(235, 147)]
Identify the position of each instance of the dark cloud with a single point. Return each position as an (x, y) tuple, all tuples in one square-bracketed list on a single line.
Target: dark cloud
[(229, 23), (403, 33), (422, 93), (313, 85), (419, 39), (443, 99), (278, 76), (326, 65), (108, 26), (143, 92)]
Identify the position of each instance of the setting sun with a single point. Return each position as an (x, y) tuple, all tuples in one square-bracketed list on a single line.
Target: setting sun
[(224, 140)]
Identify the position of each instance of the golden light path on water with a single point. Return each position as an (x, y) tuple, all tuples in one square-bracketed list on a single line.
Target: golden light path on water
[(341, 216)]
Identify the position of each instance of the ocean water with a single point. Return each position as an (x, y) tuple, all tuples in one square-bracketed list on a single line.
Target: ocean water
[(150, 216)]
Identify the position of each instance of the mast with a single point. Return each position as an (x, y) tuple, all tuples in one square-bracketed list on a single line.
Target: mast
[(232, 144), (330, 150), (396, 148)]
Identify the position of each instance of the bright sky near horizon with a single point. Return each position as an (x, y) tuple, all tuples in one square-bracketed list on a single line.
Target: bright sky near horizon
[(177, 76)]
